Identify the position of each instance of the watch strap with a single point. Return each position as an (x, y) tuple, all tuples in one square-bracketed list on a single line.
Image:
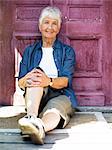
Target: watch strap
[(51, 82)]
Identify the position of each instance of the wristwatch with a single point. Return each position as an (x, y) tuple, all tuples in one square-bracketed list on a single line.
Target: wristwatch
[(51, 82)]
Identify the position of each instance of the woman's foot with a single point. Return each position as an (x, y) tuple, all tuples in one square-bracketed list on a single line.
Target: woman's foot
[(33, 127)]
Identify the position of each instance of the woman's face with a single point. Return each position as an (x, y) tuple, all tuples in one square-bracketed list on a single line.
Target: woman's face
[(49, 28)]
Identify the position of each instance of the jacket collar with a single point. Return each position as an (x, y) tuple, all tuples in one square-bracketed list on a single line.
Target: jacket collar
[(56, 44)]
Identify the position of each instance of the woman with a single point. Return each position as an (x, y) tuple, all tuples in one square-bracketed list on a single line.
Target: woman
[(46, 73)]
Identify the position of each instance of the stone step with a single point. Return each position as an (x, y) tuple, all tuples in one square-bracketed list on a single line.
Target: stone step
[(9, 117), (86, 130)]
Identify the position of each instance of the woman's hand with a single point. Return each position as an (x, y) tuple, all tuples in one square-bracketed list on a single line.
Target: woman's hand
[(37, 78)]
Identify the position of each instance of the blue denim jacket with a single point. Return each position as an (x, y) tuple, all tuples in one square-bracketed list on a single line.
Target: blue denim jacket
[(64, 57)]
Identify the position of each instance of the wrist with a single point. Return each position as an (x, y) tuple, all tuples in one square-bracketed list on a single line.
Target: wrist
[(51, 82)]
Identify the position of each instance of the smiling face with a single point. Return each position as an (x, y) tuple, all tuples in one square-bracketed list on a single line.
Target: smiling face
[(49, 28)]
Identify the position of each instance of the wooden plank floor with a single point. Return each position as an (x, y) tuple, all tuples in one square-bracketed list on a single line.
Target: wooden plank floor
[(84, 132)]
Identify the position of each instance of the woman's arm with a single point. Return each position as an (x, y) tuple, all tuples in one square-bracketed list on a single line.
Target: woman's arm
[(59, 83)]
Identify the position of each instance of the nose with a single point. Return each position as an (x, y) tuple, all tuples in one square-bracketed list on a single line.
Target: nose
[(50, 26)]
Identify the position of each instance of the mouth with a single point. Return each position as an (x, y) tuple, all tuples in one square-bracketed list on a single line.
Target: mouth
[(49, 32)]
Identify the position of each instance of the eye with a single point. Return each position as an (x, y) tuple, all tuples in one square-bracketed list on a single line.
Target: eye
[(55, 23), (46, 22)]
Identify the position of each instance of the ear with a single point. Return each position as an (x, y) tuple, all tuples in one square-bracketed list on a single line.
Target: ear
[(39, 27)]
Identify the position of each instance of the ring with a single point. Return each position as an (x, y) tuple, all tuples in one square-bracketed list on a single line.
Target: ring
[(29, 82)]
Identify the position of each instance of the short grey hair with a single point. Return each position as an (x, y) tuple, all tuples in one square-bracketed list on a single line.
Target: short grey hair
[(52, 12)]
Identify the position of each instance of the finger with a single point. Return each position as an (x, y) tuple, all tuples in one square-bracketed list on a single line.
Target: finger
[(31, 75), (39, 71), (29, 86), (38, 75), (39, 79), (35, 79), (28, 82), (34, 84)]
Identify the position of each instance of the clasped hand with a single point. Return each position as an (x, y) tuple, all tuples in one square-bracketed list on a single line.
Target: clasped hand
[(37, 78)]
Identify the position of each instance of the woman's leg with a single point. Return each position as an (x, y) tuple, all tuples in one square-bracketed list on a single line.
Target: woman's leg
[(30, 124), (51, 120), (57, 112), (32, 99)]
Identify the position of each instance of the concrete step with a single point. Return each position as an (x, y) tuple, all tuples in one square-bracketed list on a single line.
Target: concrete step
[(10, 115), (108, 117), (86, 130)]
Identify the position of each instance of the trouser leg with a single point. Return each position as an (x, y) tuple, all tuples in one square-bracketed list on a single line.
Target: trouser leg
[(57, 112)]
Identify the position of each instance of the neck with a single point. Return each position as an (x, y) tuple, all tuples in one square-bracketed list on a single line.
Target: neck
[(48, 42)]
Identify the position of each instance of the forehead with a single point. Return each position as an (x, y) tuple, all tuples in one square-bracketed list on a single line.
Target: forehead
[(50, 19)]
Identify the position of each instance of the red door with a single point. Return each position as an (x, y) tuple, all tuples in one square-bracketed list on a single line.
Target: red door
[(85, 19), (7, 80), (86, 26), (88, 31)]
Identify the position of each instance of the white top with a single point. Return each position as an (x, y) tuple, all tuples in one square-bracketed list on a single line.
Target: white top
[(47, 63)]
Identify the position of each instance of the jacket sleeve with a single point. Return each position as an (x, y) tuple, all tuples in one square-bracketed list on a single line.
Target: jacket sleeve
[(23, 70), (69, 64)]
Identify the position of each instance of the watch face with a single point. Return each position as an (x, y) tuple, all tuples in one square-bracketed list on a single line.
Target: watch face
[(51, 83)]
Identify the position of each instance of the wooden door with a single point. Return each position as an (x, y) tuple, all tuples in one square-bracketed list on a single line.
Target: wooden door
[(88, 31), (85, 19), (89, 23), (86, 27), (7, 80)]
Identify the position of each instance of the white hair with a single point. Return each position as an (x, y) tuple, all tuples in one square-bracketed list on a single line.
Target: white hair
[(52, 12)]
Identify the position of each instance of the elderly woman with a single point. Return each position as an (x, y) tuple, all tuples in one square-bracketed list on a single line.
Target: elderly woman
[(46, 73)]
